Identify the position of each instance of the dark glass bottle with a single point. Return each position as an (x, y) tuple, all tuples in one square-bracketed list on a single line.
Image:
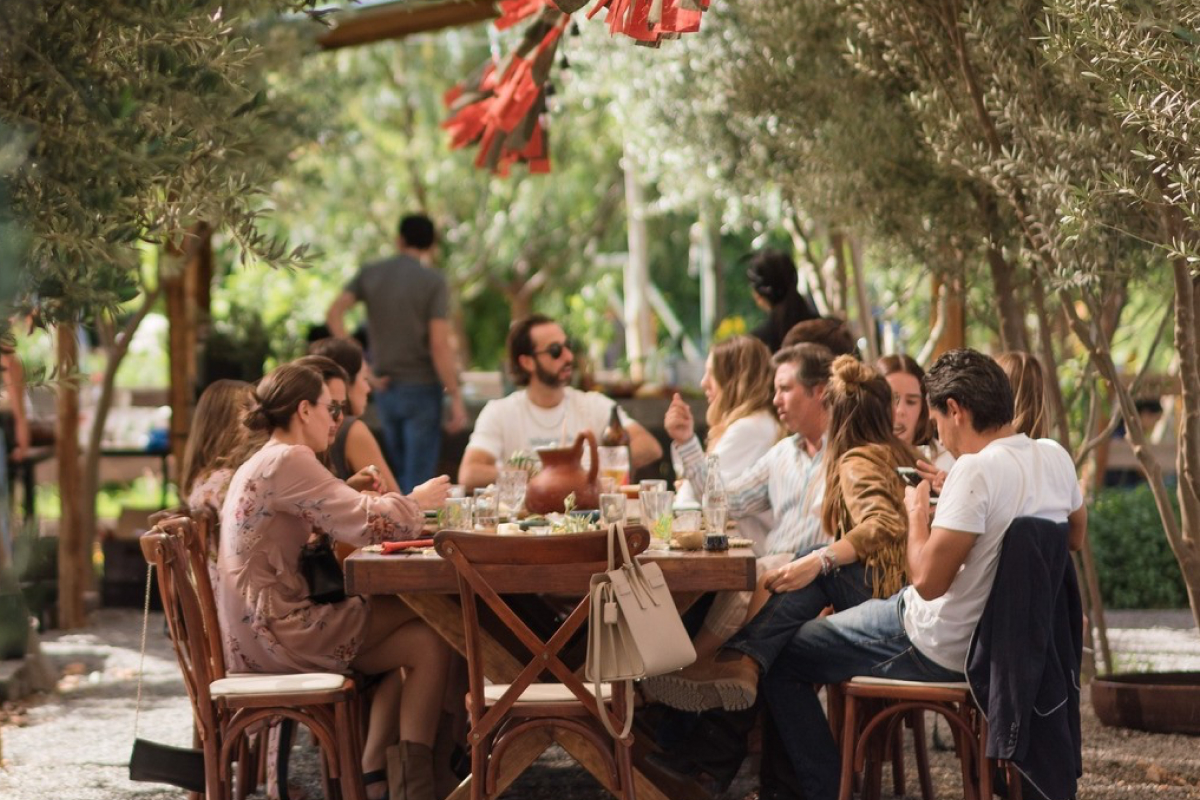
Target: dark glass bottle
[(616, 462)]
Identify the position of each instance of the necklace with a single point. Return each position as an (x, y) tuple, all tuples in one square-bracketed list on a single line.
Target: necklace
[(529, 407)]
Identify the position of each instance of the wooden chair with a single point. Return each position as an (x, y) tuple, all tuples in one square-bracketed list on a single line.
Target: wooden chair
[(501, 713), (895, 700), (227, 707), (891, 750)]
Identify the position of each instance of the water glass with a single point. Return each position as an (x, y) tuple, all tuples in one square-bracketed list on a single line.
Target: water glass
[(614, 463), (510, 486), (612, 507), (458, 514), (486, 510), (652, 485), (657, 517)]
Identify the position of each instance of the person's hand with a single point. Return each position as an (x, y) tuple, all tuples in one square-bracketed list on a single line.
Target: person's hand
[(366, 480), (678, 422), (458, 415), (793, 575), (916, 502), (935, 476), (432, 493)]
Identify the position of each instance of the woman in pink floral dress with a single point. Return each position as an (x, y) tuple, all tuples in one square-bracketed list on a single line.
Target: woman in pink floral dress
[(280, 496)]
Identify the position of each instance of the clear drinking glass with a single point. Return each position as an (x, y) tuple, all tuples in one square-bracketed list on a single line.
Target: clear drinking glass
[(612, 507), (614, 463), (657, 510), (486, 510), (510, 486), (652, 485), (458, 513)]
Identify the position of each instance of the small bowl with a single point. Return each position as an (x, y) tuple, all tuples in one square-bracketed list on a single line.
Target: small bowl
[(689, 540)]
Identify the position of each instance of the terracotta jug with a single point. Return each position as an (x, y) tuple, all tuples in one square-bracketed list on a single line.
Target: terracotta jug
[(563, 473)]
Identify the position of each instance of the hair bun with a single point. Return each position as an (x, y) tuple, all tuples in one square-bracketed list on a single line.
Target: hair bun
[(255, 417), (851, 372)]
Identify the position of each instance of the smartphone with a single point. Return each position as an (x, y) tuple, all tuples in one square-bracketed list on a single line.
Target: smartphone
[(909, 475)]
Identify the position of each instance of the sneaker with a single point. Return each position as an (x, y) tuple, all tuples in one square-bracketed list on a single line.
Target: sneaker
[(732, 685)]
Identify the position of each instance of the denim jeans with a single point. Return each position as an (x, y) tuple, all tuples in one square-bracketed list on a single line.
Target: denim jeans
[(867, 639), (765, 636), (412, 430)]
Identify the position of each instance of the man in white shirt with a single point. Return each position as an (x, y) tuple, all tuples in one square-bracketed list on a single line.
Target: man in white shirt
[(545, 410), (922, 633)]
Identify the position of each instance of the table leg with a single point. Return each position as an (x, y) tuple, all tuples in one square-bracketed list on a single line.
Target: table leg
[(585, 753), (443, 613), (516, 760)]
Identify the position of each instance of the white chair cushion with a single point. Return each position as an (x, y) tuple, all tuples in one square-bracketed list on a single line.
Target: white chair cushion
[(276, 684), (542, 692), (867, 680)]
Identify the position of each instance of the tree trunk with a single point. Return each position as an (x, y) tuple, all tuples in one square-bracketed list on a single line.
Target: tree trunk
[(836, 291), (74, 559), (1012, 314), (90, 483), (639, 322), (954, 326), (1058, 406), (866, 319)]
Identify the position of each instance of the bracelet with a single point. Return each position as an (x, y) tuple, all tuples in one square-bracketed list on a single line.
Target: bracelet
[(828, 561)]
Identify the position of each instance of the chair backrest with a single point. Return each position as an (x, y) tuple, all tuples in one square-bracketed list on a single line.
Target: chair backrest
[(165, 547), (467, 551)]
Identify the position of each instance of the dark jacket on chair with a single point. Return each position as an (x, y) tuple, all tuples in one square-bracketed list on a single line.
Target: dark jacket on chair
[(1024, 659)]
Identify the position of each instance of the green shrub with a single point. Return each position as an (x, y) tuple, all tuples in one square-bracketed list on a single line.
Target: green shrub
[(1134, 562)]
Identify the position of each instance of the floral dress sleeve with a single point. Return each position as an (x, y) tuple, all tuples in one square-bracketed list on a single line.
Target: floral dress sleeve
[(304, 488)]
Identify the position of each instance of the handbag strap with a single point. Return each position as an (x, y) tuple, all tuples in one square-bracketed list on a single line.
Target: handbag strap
[(600, 590), (137, 708)]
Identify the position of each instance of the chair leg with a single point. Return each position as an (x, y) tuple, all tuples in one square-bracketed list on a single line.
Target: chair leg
[(921, 754), (479, 759), (623, 755), (849, 743), (896, 745), (348, 752)]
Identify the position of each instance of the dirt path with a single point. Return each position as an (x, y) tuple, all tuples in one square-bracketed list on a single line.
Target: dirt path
[(75, 744)]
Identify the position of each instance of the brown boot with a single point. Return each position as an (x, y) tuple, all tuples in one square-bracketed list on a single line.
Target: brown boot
[(732, 685), (410, 772)]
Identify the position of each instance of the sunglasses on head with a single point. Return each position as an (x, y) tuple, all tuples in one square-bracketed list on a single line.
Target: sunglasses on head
[(556, 349)]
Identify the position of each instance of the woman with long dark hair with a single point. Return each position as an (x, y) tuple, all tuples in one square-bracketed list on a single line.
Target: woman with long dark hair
[(772, 275)]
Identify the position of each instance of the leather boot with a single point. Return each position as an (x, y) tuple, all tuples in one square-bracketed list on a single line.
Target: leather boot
[(410, 772)]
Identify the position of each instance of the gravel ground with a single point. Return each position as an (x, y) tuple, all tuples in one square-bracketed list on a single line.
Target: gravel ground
[(75, 743)]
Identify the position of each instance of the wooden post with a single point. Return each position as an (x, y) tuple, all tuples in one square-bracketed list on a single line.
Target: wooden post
[(74, 558)]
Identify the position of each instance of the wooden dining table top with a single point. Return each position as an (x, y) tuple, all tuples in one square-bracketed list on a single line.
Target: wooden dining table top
[(370, 573)]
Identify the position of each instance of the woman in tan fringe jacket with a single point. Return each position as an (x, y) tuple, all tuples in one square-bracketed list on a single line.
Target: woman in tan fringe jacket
[(865, 517)]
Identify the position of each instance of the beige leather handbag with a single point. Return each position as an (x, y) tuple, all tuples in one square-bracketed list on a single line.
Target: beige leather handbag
[(634, 630)]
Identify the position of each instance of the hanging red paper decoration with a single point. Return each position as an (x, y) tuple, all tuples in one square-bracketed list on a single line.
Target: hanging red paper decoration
[(502, 106)]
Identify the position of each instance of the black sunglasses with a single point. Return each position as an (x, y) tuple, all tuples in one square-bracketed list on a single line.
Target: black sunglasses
[(556, 349), (336, 410)]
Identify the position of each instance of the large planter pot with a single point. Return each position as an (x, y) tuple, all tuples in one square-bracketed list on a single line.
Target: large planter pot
[(14, 626), (1159, 702)]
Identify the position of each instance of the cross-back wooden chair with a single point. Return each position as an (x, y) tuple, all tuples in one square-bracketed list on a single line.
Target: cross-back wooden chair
[(501, 713), (227, 707)]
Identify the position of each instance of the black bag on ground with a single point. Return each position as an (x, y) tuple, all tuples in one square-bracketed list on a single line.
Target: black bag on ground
[(161, 763), (322, 572)]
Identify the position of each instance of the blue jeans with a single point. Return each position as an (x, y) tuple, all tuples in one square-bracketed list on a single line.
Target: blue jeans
[(765, 636), (412, 430), (867, 639)]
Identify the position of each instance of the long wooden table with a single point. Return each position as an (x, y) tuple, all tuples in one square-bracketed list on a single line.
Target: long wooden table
[(428, 584)]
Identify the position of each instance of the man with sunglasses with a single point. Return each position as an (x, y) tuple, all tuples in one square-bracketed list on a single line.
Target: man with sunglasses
[(541, 360)]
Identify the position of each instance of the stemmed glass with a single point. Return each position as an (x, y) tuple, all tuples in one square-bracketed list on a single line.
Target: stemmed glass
[(510, 486)]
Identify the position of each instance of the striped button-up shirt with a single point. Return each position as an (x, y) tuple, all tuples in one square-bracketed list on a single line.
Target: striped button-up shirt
[(786, 480)]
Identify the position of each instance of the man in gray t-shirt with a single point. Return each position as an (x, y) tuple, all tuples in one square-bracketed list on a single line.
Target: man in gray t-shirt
[(410, 349)]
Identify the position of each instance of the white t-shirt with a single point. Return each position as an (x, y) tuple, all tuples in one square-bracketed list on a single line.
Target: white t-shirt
[(745, 441), (514, 423), (1011, 477)]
